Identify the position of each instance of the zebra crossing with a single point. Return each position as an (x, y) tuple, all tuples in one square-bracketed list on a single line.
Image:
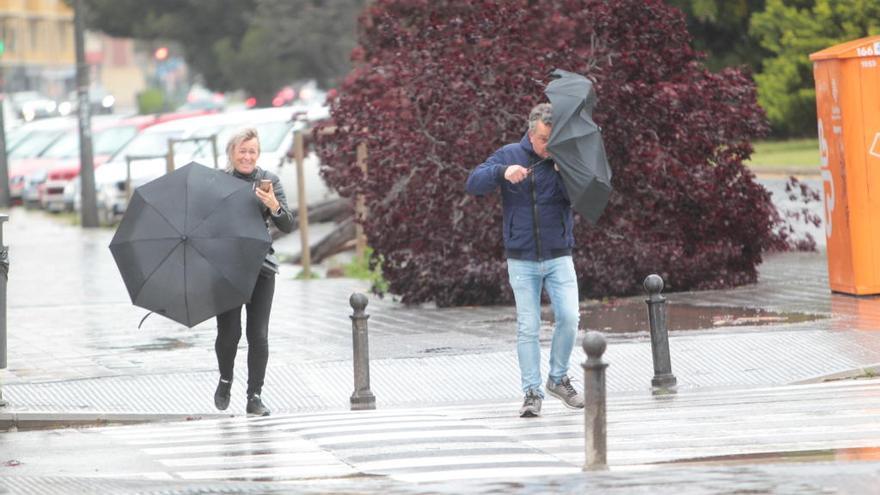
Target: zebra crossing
[(488, 441), (407, 445)]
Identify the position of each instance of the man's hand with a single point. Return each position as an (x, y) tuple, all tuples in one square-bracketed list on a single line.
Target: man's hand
[(516, 173)]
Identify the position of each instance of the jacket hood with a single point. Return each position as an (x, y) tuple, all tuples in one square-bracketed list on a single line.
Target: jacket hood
[(526, 143)]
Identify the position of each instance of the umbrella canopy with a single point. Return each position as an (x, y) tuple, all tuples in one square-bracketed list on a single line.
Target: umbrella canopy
[(576, 144), (191, 244)]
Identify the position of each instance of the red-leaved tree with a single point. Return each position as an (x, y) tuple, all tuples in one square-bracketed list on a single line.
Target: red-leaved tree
[(441, 84)]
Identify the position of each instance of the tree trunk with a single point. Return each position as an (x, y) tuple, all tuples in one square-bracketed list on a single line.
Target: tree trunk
[(331, 210), (340, 239)]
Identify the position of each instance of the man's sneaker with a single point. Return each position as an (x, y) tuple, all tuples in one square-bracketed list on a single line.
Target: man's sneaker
[(221, 395), (531, 407), (255, 406), (565, 392)]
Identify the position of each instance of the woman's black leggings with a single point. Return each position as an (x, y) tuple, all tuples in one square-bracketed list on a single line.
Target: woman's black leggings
[(229, 333)]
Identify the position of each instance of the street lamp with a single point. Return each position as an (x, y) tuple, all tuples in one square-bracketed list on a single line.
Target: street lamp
[(89, 213)]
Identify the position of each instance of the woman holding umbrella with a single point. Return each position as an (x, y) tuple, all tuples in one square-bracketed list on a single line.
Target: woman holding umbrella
[(242, 151)]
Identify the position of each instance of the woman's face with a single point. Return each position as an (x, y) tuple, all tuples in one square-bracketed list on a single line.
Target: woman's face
[(244, 156)]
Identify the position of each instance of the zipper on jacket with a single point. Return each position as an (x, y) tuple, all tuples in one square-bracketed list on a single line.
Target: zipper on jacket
[(535, 215)]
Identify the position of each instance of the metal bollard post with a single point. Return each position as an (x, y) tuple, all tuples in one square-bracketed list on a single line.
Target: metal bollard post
[(362, 397), (4, 277), (594, 409), (663, 377)]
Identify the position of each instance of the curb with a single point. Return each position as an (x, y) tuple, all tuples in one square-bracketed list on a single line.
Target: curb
[(18, 421), (869, 371)]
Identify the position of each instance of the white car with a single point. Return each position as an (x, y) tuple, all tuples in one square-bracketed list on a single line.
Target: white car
[(148, 154)]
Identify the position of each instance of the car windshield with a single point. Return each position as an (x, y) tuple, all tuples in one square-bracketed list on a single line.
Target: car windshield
[(272, 134), (110, 140), (66, 147), (200, 148), (148, 144), (34, 144), (14, 137), (104, 142)]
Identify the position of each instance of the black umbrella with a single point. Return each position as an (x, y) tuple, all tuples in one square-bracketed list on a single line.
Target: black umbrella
[(191, 244), (576, 144)]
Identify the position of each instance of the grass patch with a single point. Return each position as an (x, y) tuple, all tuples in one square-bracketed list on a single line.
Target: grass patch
[(359, 268), (302, 275), (790, 156)]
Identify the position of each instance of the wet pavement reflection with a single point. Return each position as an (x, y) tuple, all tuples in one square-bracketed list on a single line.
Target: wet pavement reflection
[(622, 316)]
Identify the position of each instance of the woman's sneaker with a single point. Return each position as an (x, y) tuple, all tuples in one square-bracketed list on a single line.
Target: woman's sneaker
[(565, 392), (531, 407), (255, 406), (222, 394)]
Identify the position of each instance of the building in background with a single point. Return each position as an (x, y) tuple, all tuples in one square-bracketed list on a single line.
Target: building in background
[(38, 49), (38, 55), (118, 68)]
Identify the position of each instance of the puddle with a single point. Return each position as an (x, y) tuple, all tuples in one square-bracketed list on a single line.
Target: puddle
[(438, 350), (627, 316), (163, 344)]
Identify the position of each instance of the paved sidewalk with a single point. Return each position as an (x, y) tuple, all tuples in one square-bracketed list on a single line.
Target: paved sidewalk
[(74, 345), (76, 355)]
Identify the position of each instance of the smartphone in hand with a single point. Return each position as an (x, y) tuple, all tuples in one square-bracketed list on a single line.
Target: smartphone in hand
[(265, 184)]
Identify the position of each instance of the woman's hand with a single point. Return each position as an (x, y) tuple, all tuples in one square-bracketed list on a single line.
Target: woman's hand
[(268, 198)]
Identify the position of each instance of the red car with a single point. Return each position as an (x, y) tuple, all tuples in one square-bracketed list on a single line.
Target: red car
[(24, 159), (57, 192)]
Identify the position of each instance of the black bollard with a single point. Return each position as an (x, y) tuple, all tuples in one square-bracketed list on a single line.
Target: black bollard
[(663, 377), (4, 278), (362, 397), (594, 408)]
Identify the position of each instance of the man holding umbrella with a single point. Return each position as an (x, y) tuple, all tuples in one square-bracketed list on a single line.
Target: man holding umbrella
[(538, 242)]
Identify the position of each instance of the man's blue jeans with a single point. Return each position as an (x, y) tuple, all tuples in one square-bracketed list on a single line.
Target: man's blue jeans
[(527, 278)]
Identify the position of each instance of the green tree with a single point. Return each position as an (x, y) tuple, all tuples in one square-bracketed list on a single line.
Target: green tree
[(313, 37), (791, 30), (198, 26), (253, 65), (720, 29), (255, 45)]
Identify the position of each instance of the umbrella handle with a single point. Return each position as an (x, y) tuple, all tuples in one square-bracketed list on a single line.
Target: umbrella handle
[(532, 166), (144, 319)]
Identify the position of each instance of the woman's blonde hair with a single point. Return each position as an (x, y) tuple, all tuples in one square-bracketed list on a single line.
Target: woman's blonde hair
[(239, 137)]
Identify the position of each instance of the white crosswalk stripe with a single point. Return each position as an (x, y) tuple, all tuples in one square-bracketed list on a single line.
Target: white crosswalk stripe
[(489, 441), (407, 445)]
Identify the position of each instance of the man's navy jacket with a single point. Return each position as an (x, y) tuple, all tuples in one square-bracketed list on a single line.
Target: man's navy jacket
[(537, 214)]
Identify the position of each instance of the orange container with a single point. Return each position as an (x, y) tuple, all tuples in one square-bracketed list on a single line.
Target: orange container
[(848, 105)]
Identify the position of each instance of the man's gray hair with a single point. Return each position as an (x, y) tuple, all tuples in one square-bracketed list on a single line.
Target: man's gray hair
[(542, 112)]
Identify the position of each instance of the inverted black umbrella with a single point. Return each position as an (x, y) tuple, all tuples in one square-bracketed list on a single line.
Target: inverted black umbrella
[(576, 143), (191, 244)]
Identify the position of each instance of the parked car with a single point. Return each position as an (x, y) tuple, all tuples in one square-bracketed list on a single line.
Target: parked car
[(30, 105), (59, 191), (63, 144), (149, 146), (101, 102), (33, 140), (275, 126)]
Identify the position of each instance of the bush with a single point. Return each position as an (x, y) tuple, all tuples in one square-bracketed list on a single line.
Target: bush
[(150, 101), (442, 84)]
